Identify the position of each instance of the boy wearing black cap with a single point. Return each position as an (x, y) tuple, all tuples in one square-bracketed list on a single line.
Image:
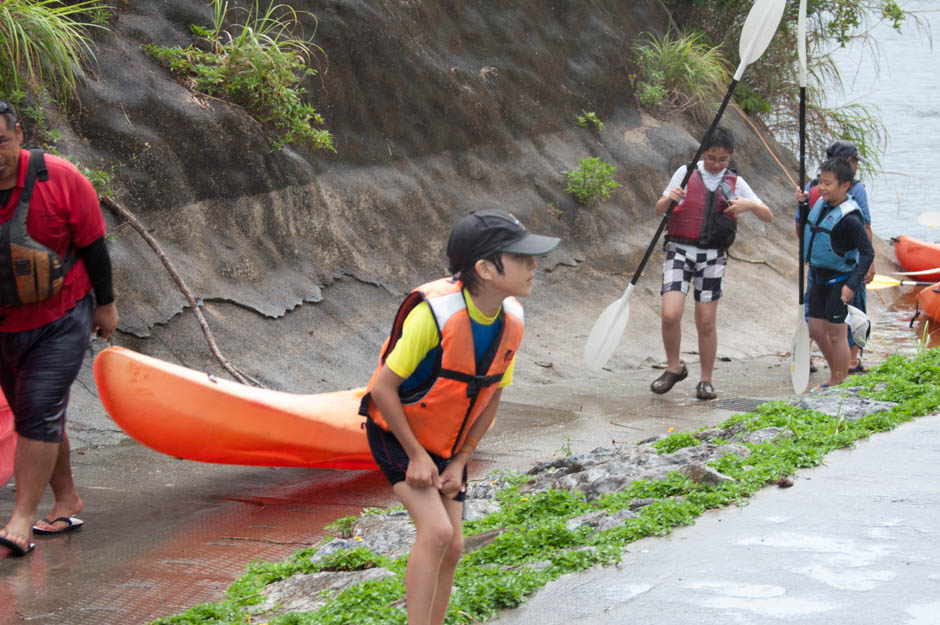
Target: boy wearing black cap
[(437, 387)]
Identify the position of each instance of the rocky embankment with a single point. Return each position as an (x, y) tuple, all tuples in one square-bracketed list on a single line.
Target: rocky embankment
[(300, 259)]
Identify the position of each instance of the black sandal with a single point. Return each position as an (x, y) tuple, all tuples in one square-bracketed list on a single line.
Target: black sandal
[(705, 390), (665, 382)]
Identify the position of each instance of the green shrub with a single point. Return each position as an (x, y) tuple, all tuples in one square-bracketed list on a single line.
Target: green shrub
[(678, 73), (44, 44), (590, 119), (259, 65), (593, 180)]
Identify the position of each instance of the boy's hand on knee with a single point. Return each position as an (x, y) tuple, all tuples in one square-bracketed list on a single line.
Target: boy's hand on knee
[(422, 473), (450, 486)]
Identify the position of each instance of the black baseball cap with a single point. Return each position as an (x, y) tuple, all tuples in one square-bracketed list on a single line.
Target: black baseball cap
[(845, 149), (483, 233)]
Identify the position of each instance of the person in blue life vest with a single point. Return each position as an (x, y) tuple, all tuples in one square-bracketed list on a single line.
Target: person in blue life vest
[(839, 252), (694, 255), (437, 387), (848, 151)]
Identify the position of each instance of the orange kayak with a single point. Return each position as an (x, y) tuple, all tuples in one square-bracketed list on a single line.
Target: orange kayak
[(917, 255), (928, 301), (193, 415), (7, 441)]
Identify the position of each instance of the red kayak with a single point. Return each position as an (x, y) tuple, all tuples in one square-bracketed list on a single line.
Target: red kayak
[(7, 441), (917, 255), (928, 301)]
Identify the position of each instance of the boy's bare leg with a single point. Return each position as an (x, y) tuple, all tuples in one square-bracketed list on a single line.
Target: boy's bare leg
[(445, 579), (834, 346), (839, 353), (853, 356), (706, 326), (67, 502), (672, 305), (435, 533)]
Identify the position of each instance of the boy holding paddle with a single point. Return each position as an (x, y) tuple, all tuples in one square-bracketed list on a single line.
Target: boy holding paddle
[(437, 387), (848, 151), (696, 253), (839, 253)]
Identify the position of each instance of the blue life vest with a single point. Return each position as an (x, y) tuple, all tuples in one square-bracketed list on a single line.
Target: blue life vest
[(817, 242)]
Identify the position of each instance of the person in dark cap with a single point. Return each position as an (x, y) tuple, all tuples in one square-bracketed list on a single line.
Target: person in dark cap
[(847, 151), (437, 386)]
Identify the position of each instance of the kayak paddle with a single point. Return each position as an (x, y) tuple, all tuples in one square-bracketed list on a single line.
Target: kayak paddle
[(758, 30), (799, 348), (931, 220), (917, 273), (884, 282)]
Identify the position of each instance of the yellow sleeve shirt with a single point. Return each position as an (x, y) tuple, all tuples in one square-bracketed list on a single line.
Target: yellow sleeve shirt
[(419, 336)]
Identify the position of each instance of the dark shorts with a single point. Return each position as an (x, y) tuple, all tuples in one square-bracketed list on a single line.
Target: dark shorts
[(858, 300), (393, 461), (825, 302), (37, 368)]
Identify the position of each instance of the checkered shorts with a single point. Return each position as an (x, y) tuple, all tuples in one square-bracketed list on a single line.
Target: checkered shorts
[(704, 268)]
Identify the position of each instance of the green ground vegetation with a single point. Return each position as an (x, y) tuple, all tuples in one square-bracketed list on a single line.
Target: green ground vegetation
[(769, 89), (535, 546), (260, 63), (592, 181)]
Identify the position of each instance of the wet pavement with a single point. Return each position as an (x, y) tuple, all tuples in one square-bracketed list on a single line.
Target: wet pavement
[(853, 541), (163, 535)]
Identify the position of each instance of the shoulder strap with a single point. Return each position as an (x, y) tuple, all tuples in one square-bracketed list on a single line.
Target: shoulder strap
[(36, 170)]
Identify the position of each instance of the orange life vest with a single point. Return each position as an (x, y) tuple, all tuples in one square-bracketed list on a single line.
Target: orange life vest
[(441, 410)]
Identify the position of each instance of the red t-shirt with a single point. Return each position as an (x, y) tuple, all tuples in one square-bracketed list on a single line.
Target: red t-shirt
[(62, 210)]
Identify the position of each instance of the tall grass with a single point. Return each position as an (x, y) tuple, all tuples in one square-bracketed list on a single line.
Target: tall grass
[(679, 73), (259, 63), (44, 43)]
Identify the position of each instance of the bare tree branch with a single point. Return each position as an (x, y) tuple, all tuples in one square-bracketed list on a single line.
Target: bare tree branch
[(135, 223)]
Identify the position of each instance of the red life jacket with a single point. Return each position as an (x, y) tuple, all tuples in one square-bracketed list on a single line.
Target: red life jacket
[(685, 225), (814, 192), (441, 411)]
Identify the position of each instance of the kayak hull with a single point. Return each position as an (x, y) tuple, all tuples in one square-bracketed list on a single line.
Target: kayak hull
[(7, 441), (193, 415), (928, 301), (916, 255)]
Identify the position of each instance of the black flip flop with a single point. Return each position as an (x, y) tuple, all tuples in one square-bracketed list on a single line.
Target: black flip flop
[(15, 548)]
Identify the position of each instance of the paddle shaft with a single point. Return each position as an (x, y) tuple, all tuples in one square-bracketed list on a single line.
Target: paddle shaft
[(685, 180), (802, 207)]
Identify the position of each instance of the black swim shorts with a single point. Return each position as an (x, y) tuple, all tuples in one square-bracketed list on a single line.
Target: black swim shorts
[(825, 302), (393, 461), (37, 368)]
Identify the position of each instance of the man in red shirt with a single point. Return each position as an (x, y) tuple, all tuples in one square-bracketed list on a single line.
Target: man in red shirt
[(43, 344)]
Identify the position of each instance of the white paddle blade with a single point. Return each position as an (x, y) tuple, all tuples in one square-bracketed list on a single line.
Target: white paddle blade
[(799, 355), (931, 220), (801, 39), (759, 29), (607, 331)]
